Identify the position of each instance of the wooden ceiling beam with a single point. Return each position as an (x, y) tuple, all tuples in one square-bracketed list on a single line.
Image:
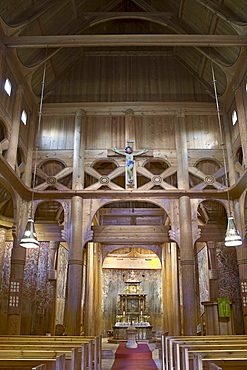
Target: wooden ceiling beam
[(124, 40)]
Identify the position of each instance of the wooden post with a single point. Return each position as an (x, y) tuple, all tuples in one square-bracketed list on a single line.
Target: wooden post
[(52, 277), (79, 150), (27, 178), (3, 50), (18, 258), (129, 126), (13, 142), (171, 294), (74, 285), (90, 300), (213, 273), (182, 154), (242, 265), (187, 267), (241, 121), (228, 146)]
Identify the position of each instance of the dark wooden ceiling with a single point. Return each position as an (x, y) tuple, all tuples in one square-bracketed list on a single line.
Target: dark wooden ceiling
[(126, 17)]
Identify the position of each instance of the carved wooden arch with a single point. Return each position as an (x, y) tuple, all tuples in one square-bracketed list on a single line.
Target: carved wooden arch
[(157, 179), (50, 202), (4, 142), (204, 212), (11, 196), (207, 179), (53, 180), (154, 248), (104, 179)]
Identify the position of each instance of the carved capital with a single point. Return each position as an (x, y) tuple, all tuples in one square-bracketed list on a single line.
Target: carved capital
[(129, 112), (174, 235)]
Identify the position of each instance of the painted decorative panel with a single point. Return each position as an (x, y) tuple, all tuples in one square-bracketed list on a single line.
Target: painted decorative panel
[(202, 261), (229, 283), (62, 267)]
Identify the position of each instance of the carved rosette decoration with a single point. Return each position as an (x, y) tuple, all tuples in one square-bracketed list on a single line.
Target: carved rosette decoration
[(209, 179), (156, 179), (51, 180), (104, 180)]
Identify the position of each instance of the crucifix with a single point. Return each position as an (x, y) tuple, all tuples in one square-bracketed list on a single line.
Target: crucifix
[(129, 155)]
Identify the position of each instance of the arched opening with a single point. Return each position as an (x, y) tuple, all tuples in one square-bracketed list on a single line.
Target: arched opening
[(132, 236)]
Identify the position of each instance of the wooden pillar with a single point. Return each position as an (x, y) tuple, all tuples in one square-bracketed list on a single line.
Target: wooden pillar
[(187, 267), (74, 285), (3, 50), (13, 142), (241, 121), (130, 126), (27, 177), (242, 265), (52, 277), (79, 150), (18, 258), (90, 300), (171, 306), (229, 154), (181, 149), (213, 273), (97, 282)]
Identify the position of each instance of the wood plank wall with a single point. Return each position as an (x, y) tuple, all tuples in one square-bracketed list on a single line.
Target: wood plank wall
[(151, 131), (128, 78)]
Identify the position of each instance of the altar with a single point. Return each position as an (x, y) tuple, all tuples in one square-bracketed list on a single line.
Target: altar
[(132, 309)]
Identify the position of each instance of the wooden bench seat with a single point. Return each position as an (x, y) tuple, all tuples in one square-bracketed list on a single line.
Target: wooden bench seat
[(36, 364), (87, 350), (171, 347), (217, 355), (184, 350)]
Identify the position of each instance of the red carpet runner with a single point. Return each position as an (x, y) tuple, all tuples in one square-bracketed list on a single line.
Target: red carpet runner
[(133, 358)]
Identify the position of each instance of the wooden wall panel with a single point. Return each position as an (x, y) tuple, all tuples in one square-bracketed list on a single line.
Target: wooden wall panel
[(57, 133), (114, 78), (105, 132), (154, 132), (202, 132)]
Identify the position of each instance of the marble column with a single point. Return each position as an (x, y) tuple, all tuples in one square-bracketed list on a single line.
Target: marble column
[(187, 267), (13, 142)]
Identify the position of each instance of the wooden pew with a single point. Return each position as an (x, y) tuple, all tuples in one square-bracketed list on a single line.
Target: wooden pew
[(39, 367), (36, 364), (168, 344), (217, 355), (90, 350), (185, 349)]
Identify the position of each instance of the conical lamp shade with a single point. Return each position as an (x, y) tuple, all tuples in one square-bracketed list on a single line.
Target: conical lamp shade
[(29, 239), (232, 239)]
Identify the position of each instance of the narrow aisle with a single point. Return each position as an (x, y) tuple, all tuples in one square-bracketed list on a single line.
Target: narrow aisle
[(147, 356), (133, 358)]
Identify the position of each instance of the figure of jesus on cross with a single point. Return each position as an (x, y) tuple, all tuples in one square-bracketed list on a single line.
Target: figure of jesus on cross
[(129, 155)]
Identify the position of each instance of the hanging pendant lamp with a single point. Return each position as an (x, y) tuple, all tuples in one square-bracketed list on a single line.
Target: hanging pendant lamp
[(29, 239), (232, 238)]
